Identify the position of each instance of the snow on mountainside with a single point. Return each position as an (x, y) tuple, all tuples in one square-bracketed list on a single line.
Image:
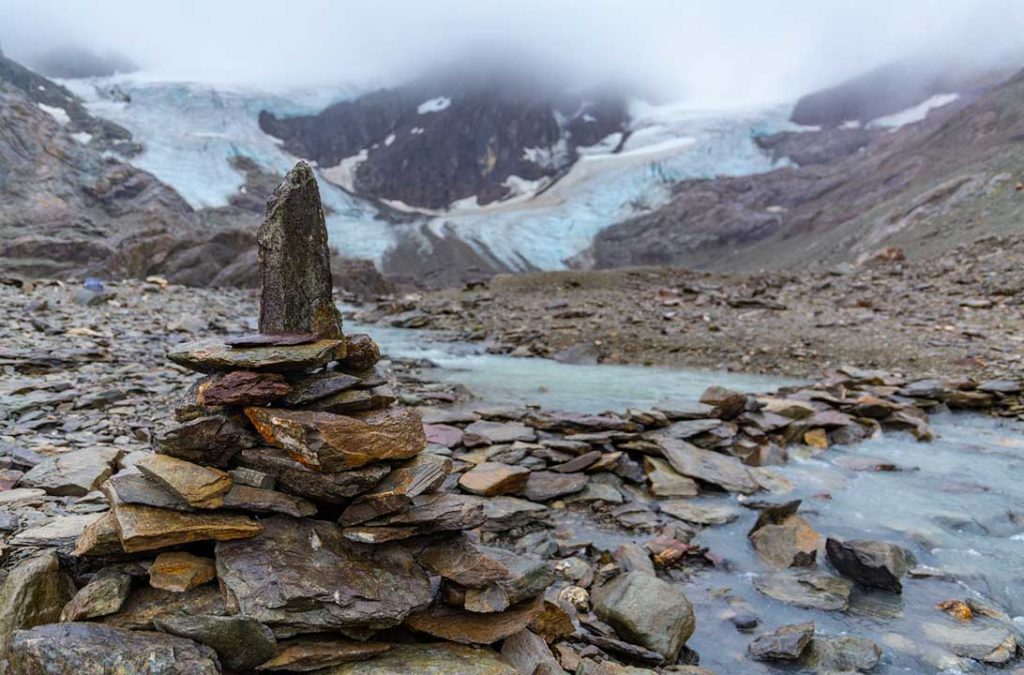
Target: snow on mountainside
[(192, 134)]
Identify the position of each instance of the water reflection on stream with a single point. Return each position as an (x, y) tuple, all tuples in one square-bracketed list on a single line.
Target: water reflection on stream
[(957, 503)]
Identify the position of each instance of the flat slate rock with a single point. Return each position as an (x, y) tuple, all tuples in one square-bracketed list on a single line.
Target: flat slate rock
[(699, 513), (179, 571), (458, 625), (786, 643), (147, 604), (808, 589), (724, 471), (210, 440), (304, 655), (494, 478), (464, 561), (74, 473), (240, 387), (132, 487), (542, 486), (490, 433), (260, 500), (298, 479), (270, 339), (303, 576), (429, 659), (313, 387), (212, 355), (74, 648), (332, 443), (200, 486), (60, 533), (422, 474), (425, 515)]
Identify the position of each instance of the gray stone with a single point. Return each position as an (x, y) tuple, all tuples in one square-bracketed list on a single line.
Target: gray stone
[(296, 291), (74, 473), (33, 593), (843, 654), (809, 589), (241, 643), (80, 648), (211, 355), (295, 478), (782, 644), (646, 611), (103, 595), (990, 644), (711, 467), (303, 576), (429, 659), (697, 513), (875, 564)]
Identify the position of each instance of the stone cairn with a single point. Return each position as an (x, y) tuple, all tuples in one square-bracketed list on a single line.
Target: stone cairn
[(294, 481)]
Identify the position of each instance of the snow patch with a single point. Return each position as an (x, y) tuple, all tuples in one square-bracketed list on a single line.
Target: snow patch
[(58, 114), (389, 140), (913, 114), (344, 173), (416, 131), (850, 124), (434, 105), (82, 137), (553, 157)]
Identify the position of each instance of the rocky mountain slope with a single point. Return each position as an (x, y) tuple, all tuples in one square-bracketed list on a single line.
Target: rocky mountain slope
[(925, 188), (437, 141)]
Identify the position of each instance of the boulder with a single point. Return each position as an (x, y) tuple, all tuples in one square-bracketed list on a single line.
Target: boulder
[(782, 644), (304, 576), (241, 643), (646, 611), (875, 564), (34, 592), (75, 648), (332, 443)]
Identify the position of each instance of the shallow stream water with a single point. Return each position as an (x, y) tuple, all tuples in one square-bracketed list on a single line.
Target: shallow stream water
[(957, 503)]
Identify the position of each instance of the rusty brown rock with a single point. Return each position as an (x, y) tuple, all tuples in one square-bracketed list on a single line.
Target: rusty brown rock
[(200, 486), (464, 561), (494, 478), (147, 604), (296, 290), (355, 400), (427, 514), (144, 528), (304, 655), (459, 625), (362, 352), (242, 387), (784, 539), (99, 537), (296, 478), (332, 443), (178, 571), (261, 500), (421, 474)]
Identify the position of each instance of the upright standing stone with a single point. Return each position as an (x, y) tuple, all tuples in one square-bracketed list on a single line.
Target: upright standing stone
[(295, 262)]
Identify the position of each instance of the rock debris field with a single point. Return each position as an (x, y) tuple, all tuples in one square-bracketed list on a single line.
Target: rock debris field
[(185, 489)]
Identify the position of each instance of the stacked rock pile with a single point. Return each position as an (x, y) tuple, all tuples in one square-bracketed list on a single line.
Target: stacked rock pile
[(294, 481)]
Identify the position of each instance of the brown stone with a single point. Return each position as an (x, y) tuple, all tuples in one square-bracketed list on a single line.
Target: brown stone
[(296, 291), (104, 594), (147, 604), (298, 479), (212, 355), (427, 513), (666, 481), (362, 352), (710, 467), (462, 560), (260, 500), (100, 537), (784, 539), (304, 655), (210, 440), (544, 485), (339, 442), (242, 387), (459, 625), (726, 403), (201, 487), (132, 487), (355, 400), (494, 478), (144, 528), (421, 474), (270, 340), (178, 571)]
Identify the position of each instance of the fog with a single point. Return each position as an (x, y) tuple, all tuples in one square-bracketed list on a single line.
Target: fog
[(740, 51)]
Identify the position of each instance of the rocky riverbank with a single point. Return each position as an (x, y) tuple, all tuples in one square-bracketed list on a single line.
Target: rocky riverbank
[(958, 315), (88, 394)]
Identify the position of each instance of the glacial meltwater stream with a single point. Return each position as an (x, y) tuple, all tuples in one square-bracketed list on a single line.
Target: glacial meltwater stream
[(957, 503)]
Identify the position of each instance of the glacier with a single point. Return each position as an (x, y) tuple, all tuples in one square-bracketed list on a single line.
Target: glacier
[(191, 131)]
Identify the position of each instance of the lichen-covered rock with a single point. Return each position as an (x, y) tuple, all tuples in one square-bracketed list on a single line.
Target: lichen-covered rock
[(33, 593), (80, 648), (295, 262)]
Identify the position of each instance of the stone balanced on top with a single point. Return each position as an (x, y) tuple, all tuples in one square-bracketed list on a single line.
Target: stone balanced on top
[(295, 484)]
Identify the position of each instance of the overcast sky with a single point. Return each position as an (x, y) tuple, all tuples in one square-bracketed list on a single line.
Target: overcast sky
[(703, 50)]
